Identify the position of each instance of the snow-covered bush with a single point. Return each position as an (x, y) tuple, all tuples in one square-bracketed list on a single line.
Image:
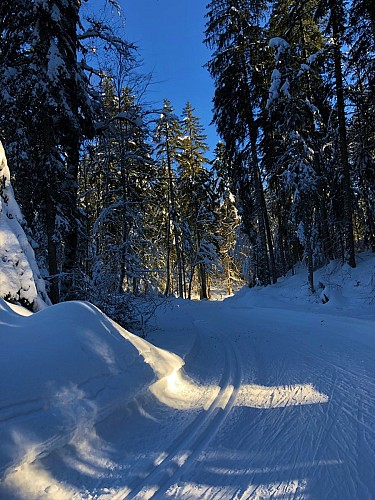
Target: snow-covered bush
[(20, 279)]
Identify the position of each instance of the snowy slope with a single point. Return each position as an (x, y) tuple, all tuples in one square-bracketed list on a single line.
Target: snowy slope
[(63, 370), (276, 398)]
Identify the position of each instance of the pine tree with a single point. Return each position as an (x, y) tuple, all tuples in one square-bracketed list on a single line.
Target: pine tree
[(51, 110), (194, 196), (235, 33), (167, 136)]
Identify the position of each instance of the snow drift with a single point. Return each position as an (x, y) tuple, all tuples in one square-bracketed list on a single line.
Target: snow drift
[(276, 398), (64, 369)]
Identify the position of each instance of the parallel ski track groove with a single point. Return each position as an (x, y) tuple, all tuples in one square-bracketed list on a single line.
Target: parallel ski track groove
[(197, 434)]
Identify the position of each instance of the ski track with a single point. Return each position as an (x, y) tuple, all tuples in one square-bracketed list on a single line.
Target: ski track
[(288, 448), (319, 451), (181, 454)]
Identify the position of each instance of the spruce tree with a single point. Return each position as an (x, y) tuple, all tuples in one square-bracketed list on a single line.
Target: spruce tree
[(167, 137), (51, 108), (227, 218), (194, 196), (361, 69), (235, 33), (292, 142), (334, 10), (121, 174), (45, 95)]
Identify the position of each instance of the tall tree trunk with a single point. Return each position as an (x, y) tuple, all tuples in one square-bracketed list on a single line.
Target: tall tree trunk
[(281, 242), (272, 265), (264, 269), (203, 280), (327, 243), (261, 210), (322, 210), (70, 288), (308, 250), (53, 270), (228, 275), (123, 250), (202, 274), (173, 216), (347, 191), (168, 256), (191, 281), (125, 183)]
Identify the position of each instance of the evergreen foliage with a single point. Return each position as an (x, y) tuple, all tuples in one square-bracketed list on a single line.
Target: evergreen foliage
[(121, 201), (284, 99)]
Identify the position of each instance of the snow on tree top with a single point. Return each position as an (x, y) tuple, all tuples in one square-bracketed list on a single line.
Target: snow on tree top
[(280, 45), (278, 42)]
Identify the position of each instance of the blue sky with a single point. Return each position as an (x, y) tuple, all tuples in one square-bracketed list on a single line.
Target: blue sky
[(169, 34)]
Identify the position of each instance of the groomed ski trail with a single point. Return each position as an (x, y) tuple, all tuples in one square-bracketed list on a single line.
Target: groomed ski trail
[(180, 456)]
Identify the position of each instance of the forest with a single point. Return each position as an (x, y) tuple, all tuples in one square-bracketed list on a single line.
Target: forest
[(119, 200)]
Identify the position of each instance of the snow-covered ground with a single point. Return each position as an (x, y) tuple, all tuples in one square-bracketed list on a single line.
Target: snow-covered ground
[(267, 394)]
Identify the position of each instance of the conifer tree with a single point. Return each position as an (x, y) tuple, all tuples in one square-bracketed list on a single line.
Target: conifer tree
[(292, 138), (334, 10), (20, 279), (51, 109), (194, 195), (167, 136), (227, 219), (362, 127), (235, 33), (121, 176)]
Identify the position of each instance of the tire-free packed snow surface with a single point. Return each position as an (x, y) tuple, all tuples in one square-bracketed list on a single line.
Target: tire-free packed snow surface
[(276, 398)]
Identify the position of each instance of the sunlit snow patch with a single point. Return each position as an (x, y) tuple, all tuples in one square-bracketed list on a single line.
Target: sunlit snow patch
[(179, 392), (32, 481), (260, 396)]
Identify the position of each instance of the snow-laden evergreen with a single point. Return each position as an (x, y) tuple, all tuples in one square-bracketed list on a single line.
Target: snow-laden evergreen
[(20, 279)]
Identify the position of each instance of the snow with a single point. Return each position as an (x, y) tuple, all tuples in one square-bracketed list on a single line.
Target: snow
[(279, 45), (274, 87), (284, 89), (55, 61), (269, 393), (62, 370), (19, 274)]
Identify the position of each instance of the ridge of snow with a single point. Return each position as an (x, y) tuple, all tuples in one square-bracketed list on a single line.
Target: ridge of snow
[(64, 369)]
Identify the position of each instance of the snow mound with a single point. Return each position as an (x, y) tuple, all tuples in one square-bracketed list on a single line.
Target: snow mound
[(64, 369), (339, 288)]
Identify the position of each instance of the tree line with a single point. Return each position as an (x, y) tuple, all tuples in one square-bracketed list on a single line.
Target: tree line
[(120, 199), (293, 102)]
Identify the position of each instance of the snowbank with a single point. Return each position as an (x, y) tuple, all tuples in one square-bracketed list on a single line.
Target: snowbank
[(20, 278), (339, 289), (64, 369)]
